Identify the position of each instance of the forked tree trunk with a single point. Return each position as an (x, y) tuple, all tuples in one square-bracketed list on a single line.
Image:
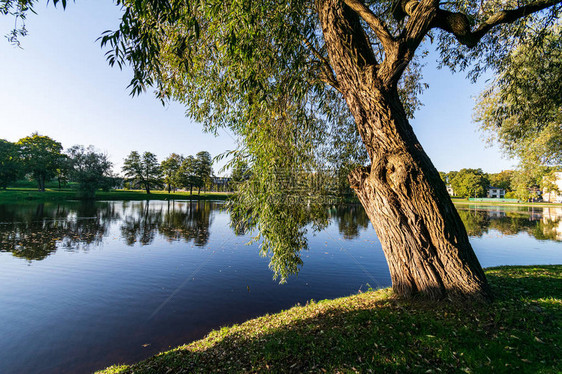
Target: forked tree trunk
[(422, 235)]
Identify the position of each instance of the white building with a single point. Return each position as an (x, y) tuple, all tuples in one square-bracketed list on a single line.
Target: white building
[(496, 192)]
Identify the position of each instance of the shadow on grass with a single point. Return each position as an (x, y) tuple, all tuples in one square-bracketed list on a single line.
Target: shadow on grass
[(373, 332)]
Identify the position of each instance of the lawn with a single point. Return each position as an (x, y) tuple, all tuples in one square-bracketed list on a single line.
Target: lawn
[(14, 195)]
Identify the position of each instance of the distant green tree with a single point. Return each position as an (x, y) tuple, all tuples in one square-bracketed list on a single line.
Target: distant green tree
[(523, 180), (41, 157), (187, 174), (63, 171), (470, 183), (502, 180), (90, 169), (144, 172), (203, 169), (170, 167), (9, 163), (451, 175)]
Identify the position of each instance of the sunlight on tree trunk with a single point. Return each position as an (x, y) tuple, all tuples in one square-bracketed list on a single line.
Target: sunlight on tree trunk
[(422, 236)]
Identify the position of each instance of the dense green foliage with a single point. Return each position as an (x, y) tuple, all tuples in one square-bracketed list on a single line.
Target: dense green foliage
[(9, 163), (502, 179), (143, 171), (203, 169), (41, 157), (240, 172), (376, 332), (90, 169), (470, 183), (170, 167), (188, 172), (186, 176), (522, 109)]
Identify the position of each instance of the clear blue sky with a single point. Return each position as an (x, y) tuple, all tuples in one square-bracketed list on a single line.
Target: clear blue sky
[(60, 85)]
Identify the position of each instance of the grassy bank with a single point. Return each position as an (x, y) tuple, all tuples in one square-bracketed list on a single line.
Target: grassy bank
[(14, 195), (461, 201), (375, 332)]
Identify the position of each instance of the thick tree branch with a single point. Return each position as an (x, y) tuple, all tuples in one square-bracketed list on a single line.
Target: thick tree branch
[(421, 15), (459, 25), (379, 28), (327, 74)]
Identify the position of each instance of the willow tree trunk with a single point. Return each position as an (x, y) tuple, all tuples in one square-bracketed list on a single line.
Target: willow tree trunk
[(422, 235)]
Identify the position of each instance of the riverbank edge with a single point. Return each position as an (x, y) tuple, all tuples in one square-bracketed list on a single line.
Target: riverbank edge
[(17, 195), (377, 332), (12, 195), (501, 203)]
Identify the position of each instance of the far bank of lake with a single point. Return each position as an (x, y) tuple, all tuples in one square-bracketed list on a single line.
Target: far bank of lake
[(16, 195)]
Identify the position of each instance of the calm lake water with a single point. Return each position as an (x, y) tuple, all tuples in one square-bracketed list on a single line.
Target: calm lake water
[(85, 286)]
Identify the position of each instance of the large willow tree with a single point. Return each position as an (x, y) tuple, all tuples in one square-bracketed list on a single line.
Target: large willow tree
[(288, 77)]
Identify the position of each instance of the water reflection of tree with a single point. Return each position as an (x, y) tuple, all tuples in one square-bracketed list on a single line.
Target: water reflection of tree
[(34, 232), (175, 221), (480, 221), (351, 219), (191, 223), (475, 222), (282, 226), (141, 225)]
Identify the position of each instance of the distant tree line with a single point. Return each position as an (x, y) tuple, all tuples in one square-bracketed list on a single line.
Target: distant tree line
[(520, 183), (42, 159), (173, 173)]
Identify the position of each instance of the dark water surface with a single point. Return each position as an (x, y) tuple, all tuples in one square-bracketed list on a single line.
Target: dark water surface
[(84, 286)]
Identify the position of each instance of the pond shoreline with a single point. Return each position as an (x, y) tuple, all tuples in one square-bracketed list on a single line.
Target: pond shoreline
[(374, 331), (15, 195), (500, 203)]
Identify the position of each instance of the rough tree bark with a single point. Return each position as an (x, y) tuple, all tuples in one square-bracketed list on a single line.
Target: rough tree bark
[(422, 235)]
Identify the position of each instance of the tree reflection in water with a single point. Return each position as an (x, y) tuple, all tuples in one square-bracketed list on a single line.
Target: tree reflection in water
[(35, 231), (540, 223), (351, 220), (173, 220)]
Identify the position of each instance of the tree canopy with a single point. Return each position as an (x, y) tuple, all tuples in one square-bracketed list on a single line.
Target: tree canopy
[(9, 163), (522, 108), (143, 171), (470, 183), (41, 156), (91, 169), (170, 167), (203, 169)]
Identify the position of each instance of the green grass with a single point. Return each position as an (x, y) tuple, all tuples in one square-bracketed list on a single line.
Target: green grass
[(376, 332), (15, 195), (459, 200)]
